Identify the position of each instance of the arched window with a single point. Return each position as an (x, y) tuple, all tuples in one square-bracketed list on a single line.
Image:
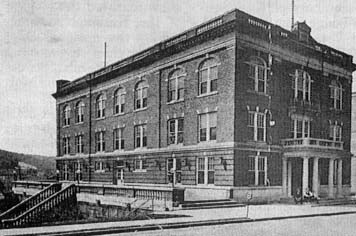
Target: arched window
[(208, 76), (100, 106), (66, 115), (119, 101), (176, 85), (336, 95), (257, 72), (79, 112), (302, 85), (141, 95)]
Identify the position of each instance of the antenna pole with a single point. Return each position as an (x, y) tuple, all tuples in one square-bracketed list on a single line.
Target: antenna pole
[(292, 14), (104, 54)]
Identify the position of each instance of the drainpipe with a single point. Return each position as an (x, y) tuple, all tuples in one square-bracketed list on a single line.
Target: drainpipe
[(90, 133)]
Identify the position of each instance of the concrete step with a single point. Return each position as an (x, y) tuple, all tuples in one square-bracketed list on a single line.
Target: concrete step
[(334, 202), (210, 204)]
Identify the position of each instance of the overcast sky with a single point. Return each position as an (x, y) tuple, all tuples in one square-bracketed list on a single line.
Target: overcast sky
[(43, 41)]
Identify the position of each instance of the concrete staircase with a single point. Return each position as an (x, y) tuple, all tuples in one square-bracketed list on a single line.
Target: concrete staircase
[(208, 204)]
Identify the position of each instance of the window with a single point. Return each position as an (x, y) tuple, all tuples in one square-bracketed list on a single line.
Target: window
[(66, 145), (207, 126), (66, 115), (78, 167), (175, 131), (99, 166), (206, 172), (140, 165), (141, 95), (100, 141), (79, 112), (257, 72), (336, 95), (140, 136), (257, 124), (335, 132), (119, 142), (100, 106), (119, 101), (65, 172), (208, 77), (79, 143), (176, 86), (174, 170), (300, 127), (257, 168), (302, 85)]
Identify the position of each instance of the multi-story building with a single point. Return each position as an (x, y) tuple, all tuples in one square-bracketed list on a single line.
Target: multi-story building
[(234, 105)]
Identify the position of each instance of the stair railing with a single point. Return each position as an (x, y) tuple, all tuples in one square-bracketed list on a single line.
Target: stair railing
[(31, 201), (34, 214)]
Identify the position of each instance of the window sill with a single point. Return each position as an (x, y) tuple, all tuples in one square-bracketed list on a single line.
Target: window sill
[(79, 123), (175, 145), (65, 126), (206, 142), (175, 101), (140, 171), (119, 150), (100, 118), (119, 114), (257, 93), (99, 152), (99, 171), (140, 148), (207, 94), (141, 109)]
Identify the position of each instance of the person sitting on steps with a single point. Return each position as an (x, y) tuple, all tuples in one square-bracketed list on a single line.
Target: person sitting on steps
[(309, 196), (298, 196)]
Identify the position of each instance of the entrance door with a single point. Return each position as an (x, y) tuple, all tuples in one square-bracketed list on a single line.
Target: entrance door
[(174, 170), (120, 176)]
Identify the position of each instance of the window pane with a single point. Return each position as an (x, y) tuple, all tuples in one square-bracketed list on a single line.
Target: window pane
[(306, 129), (203, 134), (251, 163), (180, 124), (251, 71), (204, 75), (251, 118), (212, 119), (299, 129), (211, 177), (203, 87), (172, 84), (203, 121), (213, 85), (213, 73), (260, 134), (213, 133), (201, 163), (200, 177)]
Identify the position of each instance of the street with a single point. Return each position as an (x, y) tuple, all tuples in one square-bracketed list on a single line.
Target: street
[(325, 225)]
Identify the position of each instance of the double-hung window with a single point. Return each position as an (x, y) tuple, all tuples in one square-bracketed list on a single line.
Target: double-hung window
[(140, 136), (205, 170), (175, 131), (79, 143), (257, 72), (119, 141), (119, 101), (79, 112), (301, 85), (140, 164), (141, 95), (207, 126), (208, 77), (100, 141), (257, 169), (300, 127), (336, 95), (257, 125), (176, 86), (100, 106), (66, 145), (66, 115), (335, 132)]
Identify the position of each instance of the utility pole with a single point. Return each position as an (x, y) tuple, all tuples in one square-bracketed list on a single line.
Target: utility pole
[(105, 54), (292, 14)]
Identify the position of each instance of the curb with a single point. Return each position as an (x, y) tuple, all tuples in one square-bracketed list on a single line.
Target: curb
[(148, 227)]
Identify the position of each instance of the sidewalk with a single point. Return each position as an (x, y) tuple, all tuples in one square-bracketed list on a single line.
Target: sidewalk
[(193, 218)]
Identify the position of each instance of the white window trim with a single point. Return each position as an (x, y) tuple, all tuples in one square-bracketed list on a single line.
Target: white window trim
[(306, 79), (101, 167), (335, 98), (140, 97), (140, 127), (206, 171), (255, 125), (256, 170), (119, 93), (176, 78), (66, 121), (66, 145), (79, 143), (334, 127), (66, 171), (208, 88), (303, 119), (255, 78), (118, 134), (208, 127), (140, 169), (175, 131), (100, 109), (100, 140), (79, 112)]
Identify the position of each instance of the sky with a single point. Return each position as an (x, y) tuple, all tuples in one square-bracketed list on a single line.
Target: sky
[(44, 41)]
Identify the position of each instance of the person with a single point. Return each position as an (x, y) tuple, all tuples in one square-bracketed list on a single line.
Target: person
[(298, 196), (310, 196)]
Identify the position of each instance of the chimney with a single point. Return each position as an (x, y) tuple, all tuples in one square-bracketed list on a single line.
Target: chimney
[(302, 30), (61, 83)]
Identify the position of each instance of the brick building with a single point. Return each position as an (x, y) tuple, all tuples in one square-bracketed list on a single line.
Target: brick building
[(231, 106)]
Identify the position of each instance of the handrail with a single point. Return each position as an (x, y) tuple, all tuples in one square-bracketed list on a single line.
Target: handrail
[(47, 204), (31, 201), (313, 142)]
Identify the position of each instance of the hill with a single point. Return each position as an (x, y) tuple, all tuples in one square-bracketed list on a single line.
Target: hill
[(46, 165)]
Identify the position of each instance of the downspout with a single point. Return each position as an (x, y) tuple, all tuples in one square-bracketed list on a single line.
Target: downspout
[(90, 127)]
